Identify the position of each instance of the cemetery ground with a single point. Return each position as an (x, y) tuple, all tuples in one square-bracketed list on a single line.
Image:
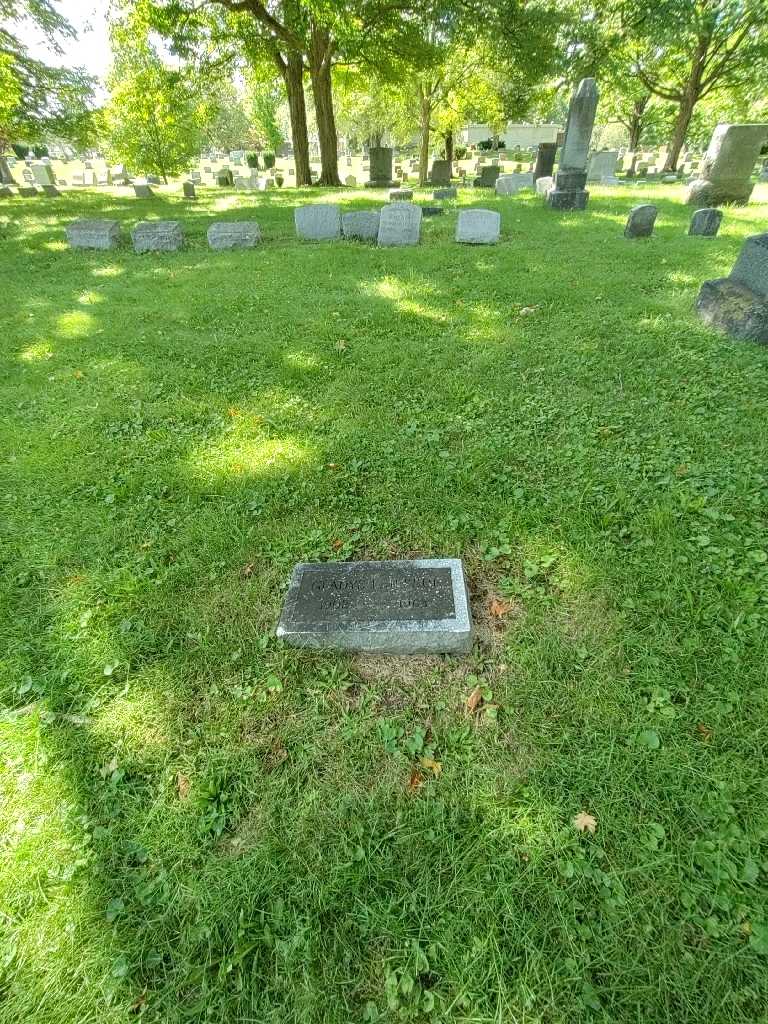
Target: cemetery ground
[(198, 824)]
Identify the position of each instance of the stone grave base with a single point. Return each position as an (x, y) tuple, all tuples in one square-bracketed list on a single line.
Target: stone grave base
[(733, 308)]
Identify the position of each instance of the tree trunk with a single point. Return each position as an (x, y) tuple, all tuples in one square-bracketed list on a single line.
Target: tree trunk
[(292, 69), (449, 146), (635, 125), (688, 100), (425, 119), (320, 51)]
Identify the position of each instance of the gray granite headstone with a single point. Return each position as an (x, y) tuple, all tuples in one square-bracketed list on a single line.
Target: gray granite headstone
[(318, 222), (397, 607), (399, 224), (350, 181), (157, 236), (478, 227), (569, 192), (545, 160), (738, 304), (189, 190), (725, 172), (706, 222), (445, 193), (602, 164), (544, 184), (234, 234), (441, 172), (225, 179), (93, 234), (380, 174), (400, 195), (432, 211), (487, 177), (510, 184), (142, 189), (640, 221), (361, 224), (43, 173)]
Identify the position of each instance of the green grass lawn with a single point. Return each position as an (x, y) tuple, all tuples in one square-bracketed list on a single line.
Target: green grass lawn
[(197, 824)]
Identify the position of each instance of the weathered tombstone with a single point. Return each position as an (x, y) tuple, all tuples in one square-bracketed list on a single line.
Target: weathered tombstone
[(400, 195), (317, 222), (738, 304), (196, 178), (545, 160), (43, 173), (399, 224), (224, 179), (189, 190), (234, 234), (50, 190), (441, 172), (157, 236), (487, 177), (142, 189), (511, 184), (6, 192), (28, 191), (380, 174), (640, 221), (398, 607), (432, 211), (569, 192), (93, 234), (350, 181), (478, 227), (725, 172), (705, 222), (362, 224), (544, 184), (445, 193), (602, 164)]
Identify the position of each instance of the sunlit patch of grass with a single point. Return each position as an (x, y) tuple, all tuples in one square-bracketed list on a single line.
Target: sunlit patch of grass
[(36, 353), (111, 270), (74, 324)]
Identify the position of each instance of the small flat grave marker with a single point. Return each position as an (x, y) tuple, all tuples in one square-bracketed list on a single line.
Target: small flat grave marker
[(397, 607)]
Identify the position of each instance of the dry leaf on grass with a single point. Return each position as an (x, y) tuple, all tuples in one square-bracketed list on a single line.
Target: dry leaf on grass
[(704, 731), (182, 786), (498, 607), (474, 700), (432, 766), (584, 822), (415, 782), (247, 570)]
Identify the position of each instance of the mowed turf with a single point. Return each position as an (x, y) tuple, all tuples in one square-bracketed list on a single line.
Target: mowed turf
[(200, 825)]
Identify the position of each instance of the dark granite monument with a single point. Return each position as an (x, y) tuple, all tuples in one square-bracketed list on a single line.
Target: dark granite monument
[(738, 304), (380, 174), (398, 607), (545, 160)]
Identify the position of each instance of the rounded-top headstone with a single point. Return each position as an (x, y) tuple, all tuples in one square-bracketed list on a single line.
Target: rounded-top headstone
[(640, 221), (706, 222)]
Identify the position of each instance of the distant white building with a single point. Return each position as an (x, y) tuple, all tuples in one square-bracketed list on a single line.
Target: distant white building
[(522, 135)]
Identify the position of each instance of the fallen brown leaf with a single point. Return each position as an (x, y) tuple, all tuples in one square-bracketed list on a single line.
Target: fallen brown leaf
[(498, 607), (584, 822), (415, 782), (432, 766), (337, 544), (182, 786), (247, 570), (704, 731), (473, 700)]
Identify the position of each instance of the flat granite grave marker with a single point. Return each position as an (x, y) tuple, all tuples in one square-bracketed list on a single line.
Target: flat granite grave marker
[(399, 224), (640, 221), (234, 234), (400, 195), (478, 227), (361, 224), (318, 222), (93, 234), (706, 222), (738, 304), (451, 192), (397, 607), (157, 236)]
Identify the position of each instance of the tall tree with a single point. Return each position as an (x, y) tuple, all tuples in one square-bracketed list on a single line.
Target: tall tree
[(38, 100), (685, 50)]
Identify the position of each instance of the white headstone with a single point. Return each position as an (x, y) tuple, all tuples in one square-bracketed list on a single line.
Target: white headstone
[(478, 227)]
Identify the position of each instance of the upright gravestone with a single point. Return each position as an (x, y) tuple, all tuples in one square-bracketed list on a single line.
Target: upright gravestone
[(93, 234), (350, 181), (738, 304), (380, 174), (400, 195), (189, 190), (487, 177), (569, 192), (640, 221), (361, 224), (705, 222), (398, 607), (478, 227), (157, 236), (234, 234), (142, 189), (440, 173), (602, 164), (725, 172), (317, 222), (43, 173), (445, 193), (224, 178), (510, 184), (399, 224), (544, 184), (545, 160)]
